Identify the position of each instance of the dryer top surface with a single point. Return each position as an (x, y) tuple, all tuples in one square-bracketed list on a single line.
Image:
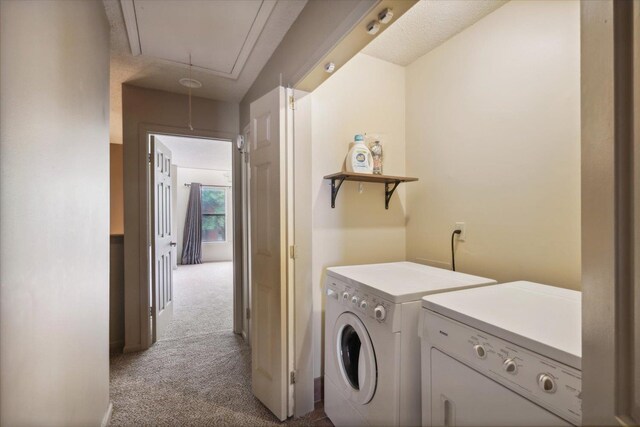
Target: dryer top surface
[(542, 318), (400, 282)]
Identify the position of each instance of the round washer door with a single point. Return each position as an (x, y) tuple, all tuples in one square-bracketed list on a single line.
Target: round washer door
[(356, 358)]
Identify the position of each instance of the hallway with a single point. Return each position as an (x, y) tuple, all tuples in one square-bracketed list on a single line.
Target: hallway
[(200, 372)]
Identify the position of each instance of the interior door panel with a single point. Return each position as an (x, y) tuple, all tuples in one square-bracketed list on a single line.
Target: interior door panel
[(161, 239)]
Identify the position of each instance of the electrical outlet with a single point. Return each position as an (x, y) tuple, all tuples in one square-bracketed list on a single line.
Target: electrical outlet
[(461, 226)]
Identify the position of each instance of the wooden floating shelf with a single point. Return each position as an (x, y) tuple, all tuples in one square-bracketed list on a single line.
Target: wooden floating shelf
[(390, 183)]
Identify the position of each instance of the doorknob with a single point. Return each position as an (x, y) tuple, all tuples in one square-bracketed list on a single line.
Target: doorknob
[(173, 244)]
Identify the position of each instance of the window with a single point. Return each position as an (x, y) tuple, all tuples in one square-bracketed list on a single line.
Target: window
[(214, 213)]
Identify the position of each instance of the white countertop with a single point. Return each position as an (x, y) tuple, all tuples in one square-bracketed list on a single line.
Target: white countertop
[(541, 318), (400, 282)]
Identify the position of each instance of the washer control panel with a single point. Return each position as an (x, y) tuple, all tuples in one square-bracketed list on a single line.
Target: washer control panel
[(357, 301), (544, 381)]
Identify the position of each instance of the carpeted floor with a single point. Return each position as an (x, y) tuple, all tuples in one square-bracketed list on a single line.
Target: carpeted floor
[(199, 373)]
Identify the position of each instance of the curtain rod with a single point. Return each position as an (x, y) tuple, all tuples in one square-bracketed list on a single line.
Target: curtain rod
[(207, 185)]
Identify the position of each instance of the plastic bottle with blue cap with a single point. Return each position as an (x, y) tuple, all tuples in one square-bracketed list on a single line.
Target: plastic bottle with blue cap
[(359, 159)]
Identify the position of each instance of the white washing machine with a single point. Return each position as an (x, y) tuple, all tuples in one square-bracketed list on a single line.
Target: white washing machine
[(506, 355), (372, 348)]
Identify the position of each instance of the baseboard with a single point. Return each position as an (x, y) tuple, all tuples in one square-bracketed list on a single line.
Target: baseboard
[(133, 348), (107, 416), (318, 389)]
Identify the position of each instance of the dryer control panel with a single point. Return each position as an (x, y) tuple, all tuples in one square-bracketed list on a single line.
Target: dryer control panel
[(354, 300), (544, 381)]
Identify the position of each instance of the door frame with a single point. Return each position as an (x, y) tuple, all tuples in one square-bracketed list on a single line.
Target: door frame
[(610, 97), (144, 220)]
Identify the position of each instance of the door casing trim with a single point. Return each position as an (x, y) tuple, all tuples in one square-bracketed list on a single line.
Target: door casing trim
[(142, 284)]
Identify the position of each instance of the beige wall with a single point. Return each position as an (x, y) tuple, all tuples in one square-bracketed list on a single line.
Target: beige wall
[(116, 189), (212, 251), (365, 95), (158, 111), (54, 204), (320, 25), (493, 133)]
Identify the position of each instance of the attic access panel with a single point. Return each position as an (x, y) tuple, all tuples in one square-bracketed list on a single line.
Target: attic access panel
[(219, 34)]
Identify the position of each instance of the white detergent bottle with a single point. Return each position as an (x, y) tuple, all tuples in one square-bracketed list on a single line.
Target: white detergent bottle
[(359, 159)]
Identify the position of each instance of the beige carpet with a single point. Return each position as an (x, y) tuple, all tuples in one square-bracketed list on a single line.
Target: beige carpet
[(203, 300), (199, 373)]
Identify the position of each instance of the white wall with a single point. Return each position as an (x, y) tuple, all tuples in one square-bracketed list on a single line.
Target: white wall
[(54, 205), (366, 95), (211, 251), (493, 133), (199, 153)]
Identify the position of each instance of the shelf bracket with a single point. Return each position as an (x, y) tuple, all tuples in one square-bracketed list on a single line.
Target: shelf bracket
[(334, 190), (388, 193)]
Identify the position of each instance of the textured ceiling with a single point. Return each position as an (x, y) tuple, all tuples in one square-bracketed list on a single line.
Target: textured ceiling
[(154, 73), (425, 26)]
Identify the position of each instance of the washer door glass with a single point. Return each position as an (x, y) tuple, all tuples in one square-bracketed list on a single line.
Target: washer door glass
[(350, 352), (355, 356)]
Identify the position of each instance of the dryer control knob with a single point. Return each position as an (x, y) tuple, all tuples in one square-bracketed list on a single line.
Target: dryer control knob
[(354, 300), (380, 312), (510, 366), (345, 296), (364, 304), (546, 383), (481, 353)]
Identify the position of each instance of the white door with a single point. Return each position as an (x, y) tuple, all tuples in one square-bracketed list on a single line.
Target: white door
[(161, 238), (463, 397), (268, 193), (246, 236)]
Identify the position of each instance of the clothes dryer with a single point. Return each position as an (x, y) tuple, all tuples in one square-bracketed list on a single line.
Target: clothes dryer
[(372, 348)]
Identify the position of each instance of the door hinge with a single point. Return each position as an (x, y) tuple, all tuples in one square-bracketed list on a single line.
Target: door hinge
[(150, 311), (292, 252), (292, 102), (248, 313), (149, 157), (292, 377)]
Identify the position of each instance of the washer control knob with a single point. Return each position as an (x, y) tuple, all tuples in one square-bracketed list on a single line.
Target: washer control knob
[(481, 353), (380, 312), (510, 366), (354, 300), (345, 296), (546, 383), (364, 304)]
